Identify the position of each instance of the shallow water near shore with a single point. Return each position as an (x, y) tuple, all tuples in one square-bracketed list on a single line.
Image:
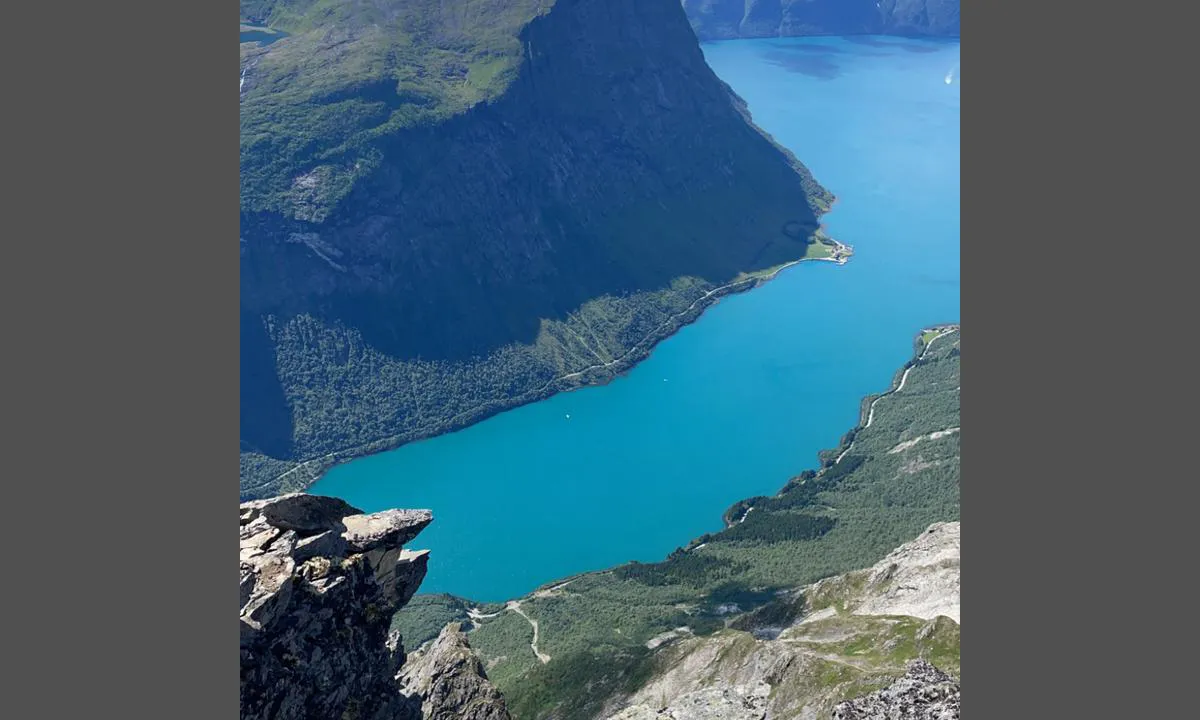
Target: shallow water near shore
[(743, 399)]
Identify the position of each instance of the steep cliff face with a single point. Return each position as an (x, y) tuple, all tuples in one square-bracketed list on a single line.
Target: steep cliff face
[(319, 583), (452, 208), (726, 19)]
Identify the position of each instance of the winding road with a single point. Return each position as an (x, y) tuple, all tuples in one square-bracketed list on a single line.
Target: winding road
[(899, 387), (515, 606)]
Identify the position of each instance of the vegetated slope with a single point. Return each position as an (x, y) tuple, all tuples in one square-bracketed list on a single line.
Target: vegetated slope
[(887, 482), (450, 208), (725, 19), (851, 634)]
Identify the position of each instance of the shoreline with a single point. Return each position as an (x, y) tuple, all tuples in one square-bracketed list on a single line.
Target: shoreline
[(866, 415), (867, 406), (601, 374), (824, 464)]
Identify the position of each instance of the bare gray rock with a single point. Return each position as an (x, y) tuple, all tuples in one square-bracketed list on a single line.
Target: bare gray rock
[(315, 612), (319, 583), (300, 512), (388, 528), (924, 693), (715, 703), (446, 681)]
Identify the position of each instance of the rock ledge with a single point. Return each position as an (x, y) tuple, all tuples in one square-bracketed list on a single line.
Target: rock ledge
[(320, 581)]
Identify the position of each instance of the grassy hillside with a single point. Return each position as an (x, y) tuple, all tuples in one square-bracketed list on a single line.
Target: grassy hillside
[(353, 73), (452, 208), (884, 485)]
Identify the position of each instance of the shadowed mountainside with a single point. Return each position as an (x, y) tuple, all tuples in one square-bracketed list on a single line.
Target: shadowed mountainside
[(452, 208)]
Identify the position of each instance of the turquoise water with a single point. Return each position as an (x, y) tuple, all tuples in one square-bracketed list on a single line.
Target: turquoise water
[(742, 400)]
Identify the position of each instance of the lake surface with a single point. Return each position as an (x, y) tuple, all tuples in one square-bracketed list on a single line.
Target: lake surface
[(740, 401), (261, 35)]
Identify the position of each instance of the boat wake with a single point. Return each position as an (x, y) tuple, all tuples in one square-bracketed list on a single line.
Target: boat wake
[(950, 75)]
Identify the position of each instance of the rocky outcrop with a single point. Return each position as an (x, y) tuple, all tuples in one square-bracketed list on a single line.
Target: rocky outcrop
[(721, 703), (843, 644), (320, 582), (447, 681), (725, 19), (918, 579), (924, 693)]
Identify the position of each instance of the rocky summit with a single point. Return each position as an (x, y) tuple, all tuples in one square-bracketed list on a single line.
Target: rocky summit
[(924, 693), (447, 680), (320, 581)]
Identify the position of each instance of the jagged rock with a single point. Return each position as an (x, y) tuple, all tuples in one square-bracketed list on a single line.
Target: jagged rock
[(390, 527), (846, 638), (327, 543), (316, 609), (398, 572), (319, 583), (924, 693), (301, 512), (448, 682)]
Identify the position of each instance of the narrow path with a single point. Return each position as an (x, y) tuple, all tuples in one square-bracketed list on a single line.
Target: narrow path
[(898, 388), (515, 606)]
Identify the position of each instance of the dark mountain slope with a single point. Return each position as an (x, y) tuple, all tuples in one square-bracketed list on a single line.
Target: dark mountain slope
[(724, 19), (452, 208)]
